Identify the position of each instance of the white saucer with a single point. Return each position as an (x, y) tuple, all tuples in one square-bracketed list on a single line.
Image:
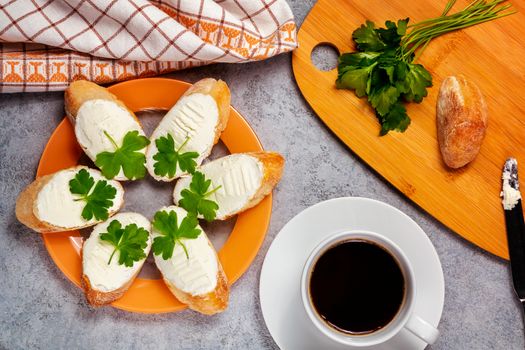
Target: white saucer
[(280, 291)]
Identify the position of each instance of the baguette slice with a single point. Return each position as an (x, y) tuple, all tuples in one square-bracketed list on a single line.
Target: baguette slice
[(462, 120), (195, 123), (94, 111), (104, 283), (198, 279), (244, 180), (47, 205)]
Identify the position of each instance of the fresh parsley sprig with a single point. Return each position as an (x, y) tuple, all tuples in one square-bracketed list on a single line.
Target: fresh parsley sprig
[(383, 67), (167, 158), (172, 233), (129, 241), (126, 156), (97, 201), (194, 199)]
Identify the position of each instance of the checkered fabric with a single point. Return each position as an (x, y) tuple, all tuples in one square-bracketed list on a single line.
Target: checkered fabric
[(46, 44)]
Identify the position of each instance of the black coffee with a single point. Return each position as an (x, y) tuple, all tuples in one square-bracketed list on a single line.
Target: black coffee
[(357, 287)]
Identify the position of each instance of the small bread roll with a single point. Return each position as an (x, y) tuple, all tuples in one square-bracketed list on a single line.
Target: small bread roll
[(462, 120)]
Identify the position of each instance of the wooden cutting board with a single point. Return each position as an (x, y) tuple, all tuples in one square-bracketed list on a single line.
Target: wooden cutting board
[(491, 54)]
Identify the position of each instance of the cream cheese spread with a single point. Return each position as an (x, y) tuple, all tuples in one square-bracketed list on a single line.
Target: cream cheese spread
[(96, 116), (194, 117), (510, 189), (56, 205), (239, 177), (96, 254), (195, 274)]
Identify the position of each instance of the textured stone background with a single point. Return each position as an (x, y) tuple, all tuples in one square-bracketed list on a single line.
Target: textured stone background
[(41, 309)]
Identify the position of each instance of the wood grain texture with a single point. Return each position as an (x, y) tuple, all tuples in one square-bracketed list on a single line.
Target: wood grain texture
[(490, 55)]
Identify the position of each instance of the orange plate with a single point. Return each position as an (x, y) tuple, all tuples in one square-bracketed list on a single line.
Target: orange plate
[(144, 295)]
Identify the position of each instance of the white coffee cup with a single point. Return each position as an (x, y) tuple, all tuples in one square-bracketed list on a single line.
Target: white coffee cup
[(405, 317)]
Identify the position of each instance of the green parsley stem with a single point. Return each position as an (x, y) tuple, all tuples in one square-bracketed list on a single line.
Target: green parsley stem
[(184, 247), (111, 257), (183, 144), (448, 7), (111, 139), (212, 191), (479, 11)]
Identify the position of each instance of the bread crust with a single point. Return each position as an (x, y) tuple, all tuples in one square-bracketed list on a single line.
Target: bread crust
[(210, 303), (462, 120), (26, 206), (81, 91), (26, 202), (220, 92), (273, 166), (98, 298)]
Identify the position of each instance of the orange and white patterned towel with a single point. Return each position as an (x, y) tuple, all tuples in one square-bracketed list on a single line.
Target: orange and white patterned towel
[(46, 44)]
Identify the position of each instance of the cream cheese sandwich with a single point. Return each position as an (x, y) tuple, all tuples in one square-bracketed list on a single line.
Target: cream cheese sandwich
[(69, 199), (187, 133), (108, 271)]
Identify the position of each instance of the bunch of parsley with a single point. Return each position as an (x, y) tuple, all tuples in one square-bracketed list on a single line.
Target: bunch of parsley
[(379, 72), (383, 67)]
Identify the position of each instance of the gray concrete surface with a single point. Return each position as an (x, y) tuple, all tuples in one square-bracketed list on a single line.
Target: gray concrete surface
[(41, 309)]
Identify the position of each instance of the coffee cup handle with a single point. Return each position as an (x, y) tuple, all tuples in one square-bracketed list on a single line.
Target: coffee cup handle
[(422, 329)]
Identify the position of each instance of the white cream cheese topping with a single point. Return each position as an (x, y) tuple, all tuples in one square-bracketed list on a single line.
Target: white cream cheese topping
[(96, 254), (510, 190), (239, 177), (56, 205), (195, 274), (96, 116), (195, 117)]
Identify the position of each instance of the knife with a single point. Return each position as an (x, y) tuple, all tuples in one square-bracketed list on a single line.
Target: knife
[(515, 226)]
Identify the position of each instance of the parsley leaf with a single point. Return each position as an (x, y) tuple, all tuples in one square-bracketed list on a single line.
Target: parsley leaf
[(97, 201), (356, 79), (129, 241), (416, 82), (367, 38), (194, 199), (172, 233), (168, 157), (392, 34), (126, 157), (384, 98), (396, 119)]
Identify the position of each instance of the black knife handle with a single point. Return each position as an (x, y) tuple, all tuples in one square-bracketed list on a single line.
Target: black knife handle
[(516, 243)]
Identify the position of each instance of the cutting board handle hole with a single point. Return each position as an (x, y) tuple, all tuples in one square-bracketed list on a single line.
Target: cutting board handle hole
[(324, 56)]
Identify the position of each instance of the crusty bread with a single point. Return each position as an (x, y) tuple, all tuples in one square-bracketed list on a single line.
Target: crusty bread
[(98, 297), (220, 92), (272, 164), (176, 267), (81, 91), (25, 205), (27, 201), (462, 120), (211, 303)]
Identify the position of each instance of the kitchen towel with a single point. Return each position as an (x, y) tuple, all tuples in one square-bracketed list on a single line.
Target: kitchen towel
[(46, 44)]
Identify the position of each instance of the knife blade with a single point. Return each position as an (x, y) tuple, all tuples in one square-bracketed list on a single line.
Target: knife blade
[(515, 225)]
